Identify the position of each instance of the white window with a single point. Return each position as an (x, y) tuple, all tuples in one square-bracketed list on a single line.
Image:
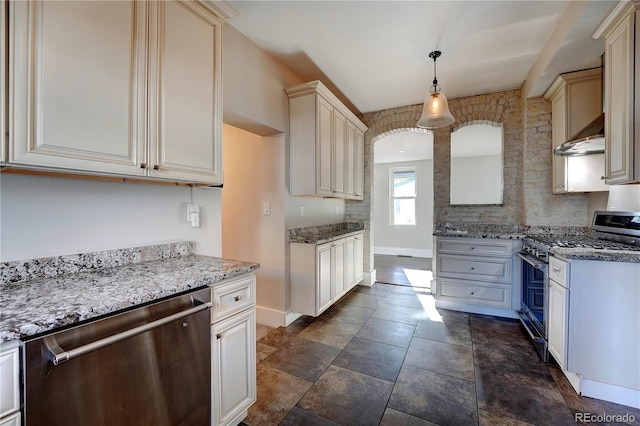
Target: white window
[(403, 196)]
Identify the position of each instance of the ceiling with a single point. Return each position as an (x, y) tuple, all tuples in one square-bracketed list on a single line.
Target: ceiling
[(374, 54)]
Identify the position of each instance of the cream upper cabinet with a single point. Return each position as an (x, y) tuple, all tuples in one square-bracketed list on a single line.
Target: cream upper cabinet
[(576, 100), (125, 88), (622, 42), (325, 139)]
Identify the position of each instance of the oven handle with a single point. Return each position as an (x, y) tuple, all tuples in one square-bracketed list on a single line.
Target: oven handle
[(536, 263), (59, 356)]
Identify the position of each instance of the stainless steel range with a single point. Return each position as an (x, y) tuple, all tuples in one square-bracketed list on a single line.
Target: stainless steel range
[(610, 232)]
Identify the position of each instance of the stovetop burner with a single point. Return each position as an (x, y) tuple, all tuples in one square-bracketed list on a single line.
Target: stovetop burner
[(575, 241)]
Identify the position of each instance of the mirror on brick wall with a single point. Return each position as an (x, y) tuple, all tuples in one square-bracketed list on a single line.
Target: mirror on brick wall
[(476, 165)]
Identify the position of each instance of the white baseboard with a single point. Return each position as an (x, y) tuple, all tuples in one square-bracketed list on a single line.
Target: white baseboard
[(369, 278), (270, 317), (604, 391), (395, 251), (273, 318)]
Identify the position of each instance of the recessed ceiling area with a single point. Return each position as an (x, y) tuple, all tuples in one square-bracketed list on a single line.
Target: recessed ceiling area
[(374, 54)]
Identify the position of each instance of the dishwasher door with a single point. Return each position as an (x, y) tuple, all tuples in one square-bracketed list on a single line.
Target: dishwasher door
[(104, 375)]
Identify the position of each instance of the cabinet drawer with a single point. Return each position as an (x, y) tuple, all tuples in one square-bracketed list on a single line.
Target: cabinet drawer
[(9, 381), (559, 271), (232, 297), (474, 268), (474, 247), (475, 293)]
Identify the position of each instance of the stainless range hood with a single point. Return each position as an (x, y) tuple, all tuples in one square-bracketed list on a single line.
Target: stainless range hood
[(588, 141)]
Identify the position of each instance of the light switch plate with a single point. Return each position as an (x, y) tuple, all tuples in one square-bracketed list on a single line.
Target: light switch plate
[(301, 211), (266, 209)]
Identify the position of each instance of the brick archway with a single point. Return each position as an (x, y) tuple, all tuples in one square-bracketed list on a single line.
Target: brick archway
[(502, 108)]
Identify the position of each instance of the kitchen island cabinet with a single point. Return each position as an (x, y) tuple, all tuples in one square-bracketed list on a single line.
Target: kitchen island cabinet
[(154, 108), (477, 275), (593, 315), (621, 31), (327, 144)]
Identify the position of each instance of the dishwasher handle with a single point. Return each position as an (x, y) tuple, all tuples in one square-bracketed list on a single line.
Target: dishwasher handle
[(59, 355)]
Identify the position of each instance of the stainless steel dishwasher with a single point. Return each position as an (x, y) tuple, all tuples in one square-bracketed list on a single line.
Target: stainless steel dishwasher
[(147, 366)]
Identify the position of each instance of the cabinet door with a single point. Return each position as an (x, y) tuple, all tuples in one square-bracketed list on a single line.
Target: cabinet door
[(338, 268), (324, 129), (359, 159), (349, 263), (350, 162), (3, 87), (9, 381), (619, 67), (234, 367), (339, 152), (185, 93), (77, 85), (323, 281), (358, 258), (558, 322), (559, 136)]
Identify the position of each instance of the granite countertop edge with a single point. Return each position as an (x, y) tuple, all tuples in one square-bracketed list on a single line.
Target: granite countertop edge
[(480, 234), (323, 238), (36, 307)]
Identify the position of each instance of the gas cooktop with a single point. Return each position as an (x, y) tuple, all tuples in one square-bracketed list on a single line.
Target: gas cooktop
[(575, 241)]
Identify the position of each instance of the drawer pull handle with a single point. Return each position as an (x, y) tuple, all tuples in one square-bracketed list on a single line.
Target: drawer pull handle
[(143, 165), (219, 336), (236, 298), (556, 269)]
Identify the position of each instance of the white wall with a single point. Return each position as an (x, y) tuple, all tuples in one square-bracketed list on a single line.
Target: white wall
[(255, 155), (43, 216), (476, 180), (247, 233), (410, 241)]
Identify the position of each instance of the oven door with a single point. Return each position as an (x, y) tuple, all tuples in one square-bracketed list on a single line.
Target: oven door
[(533, 306)]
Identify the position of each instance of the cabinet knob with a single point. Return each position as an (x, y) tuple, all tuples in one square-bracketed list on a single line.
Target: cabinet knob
[(143, 165), (156, 167), (473, 248), (473, 292), (473, 268), (219, 336), (556, 269), (236, 298)]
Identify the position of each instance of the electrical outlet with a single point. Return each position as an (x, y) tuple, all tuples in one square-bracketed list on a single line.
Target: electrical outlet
[(301, 211), (337, 210), (193, 215)]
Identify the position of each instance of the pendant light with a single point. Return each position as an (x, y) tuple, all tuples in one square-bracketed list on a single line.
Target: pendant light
[(435, 112)]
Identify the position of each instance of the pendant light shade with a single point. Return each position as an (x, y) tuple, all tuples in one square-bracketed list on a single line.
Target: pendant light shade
[(435, 112)]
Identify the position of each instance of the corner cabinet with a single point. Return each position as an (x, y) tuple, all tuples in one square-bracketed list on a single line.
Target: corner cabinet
[(233, 349), (476, 274), (576, 100), (326, 144), (127, 88), (322, 273), (621, 31)]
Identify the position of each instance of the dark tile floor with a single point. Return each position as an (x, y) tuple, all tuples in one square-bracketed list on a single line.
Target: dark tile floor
[(385, 356)]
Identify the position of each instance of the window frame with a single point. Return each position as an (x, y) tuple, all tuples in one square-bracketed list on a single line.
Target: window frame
[(393, 197)]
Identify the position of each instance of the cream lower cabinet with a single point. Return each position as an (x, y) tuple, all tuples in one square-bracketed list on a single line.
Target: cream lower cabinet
[(10, 384), (594, 326), (476, 272), (233, 350), (322, 273), (126, 88)]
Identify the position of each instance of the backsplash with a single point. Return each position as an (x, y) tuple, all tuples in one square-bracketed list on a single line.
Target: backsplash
[(47, 267)]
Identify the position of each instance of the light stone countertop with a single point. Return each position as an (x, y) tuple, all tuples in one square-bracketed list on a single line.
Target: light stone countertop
[(324, 233), (44, 304)]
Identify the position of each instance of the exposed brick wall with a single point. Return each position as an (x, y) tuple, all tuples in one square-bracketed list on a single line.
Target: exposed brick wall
[(527, 197), (540, 206)]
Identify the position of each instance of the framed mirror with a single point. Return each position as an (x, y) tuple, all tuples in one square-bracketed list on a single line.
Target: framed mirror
[(477, 165)]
